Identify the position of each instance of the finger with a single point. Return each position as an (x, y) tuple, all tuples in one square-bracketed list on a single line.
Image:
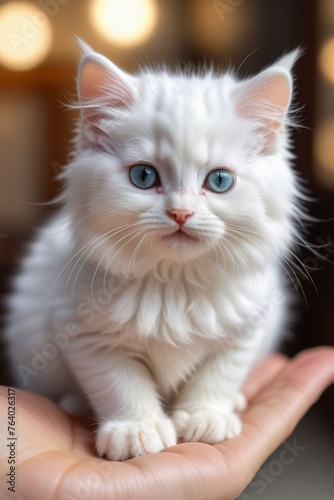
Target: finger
[(263, 374), (277, 409), (298, 385)]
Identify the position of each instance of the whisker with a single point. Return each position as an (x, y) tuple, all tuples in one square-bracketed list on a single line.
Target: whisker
[(106, 237), (81, 250), (280, 259), (101, 240)]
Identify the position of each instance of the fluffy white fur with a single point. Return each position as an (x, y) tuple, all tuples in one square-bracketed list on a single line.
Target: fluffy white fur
[(110, 301)]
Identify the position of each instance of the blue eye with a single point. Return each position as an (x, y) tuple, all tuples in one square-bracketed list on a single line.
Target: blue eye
[(143, 176), (220, 180)]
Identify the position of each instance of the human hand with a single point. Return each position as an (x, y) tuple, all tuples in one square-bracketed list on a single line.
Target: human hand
[(56, 457)]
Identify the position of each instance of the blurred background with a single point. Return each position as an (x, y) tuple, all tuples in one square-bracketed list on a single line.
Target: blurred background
[(38, 60)]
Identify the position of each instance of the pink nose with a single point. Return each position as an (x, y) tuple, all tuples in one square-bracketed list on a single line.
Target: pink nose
[(180, 215)]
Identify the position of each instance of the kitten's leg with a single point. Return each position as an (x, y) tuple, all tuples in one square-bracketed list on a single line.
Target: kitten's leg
[(124, 398), (206, 407)]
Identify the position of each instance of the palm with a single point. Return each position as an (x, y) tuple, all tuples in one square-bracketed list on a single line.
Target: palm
[(56, 457)]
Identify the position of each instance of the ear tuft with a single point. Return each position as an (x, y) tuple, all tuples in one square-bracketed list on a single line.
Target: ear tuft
[(85, 48), (289, 59)]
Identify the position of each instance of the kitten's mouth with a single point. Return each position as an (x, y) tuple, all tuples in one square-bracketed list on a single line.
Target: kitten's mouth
[(180, 236)]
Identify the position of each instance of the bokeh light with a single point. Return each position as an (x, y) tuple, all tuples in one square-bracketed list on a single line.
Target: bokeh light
[(25, 35), (124, 22), (326, 60)]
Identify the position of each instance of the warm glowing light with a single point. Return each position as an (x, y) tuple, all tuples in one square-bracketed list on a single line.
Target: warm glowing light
[(326, 60), (25, 35), (324, 148), (124, 22)]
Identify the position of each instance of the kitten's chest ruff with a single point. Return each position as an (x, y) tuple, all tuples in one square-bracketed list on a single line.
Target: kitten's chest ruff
[(176, 308)]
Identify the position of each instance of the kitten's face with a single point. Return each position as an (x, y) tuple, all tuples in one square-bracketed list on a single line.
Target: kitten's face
[(179, 175)]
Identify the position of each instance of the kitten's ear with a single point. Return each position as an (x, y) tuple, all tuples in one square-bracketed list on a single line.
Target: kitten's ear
[(102, 86), (265, 99)]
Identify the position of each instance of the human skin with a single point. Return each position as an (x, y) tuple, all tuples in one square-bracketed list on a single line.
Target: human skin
[(56, 457)]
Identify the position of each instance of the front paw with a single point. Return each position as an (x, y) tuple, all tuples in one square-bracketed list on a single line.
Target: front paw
[(206, 426), (119, 440)]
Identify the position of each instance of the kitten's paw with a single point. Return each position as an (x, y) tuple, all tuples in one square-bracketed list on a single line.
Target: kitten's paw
[(206, 426), (122, 440)]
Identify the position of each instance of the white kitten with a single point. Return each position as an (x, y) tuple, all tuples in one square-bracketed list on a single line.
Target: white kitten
[(159, 279)]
